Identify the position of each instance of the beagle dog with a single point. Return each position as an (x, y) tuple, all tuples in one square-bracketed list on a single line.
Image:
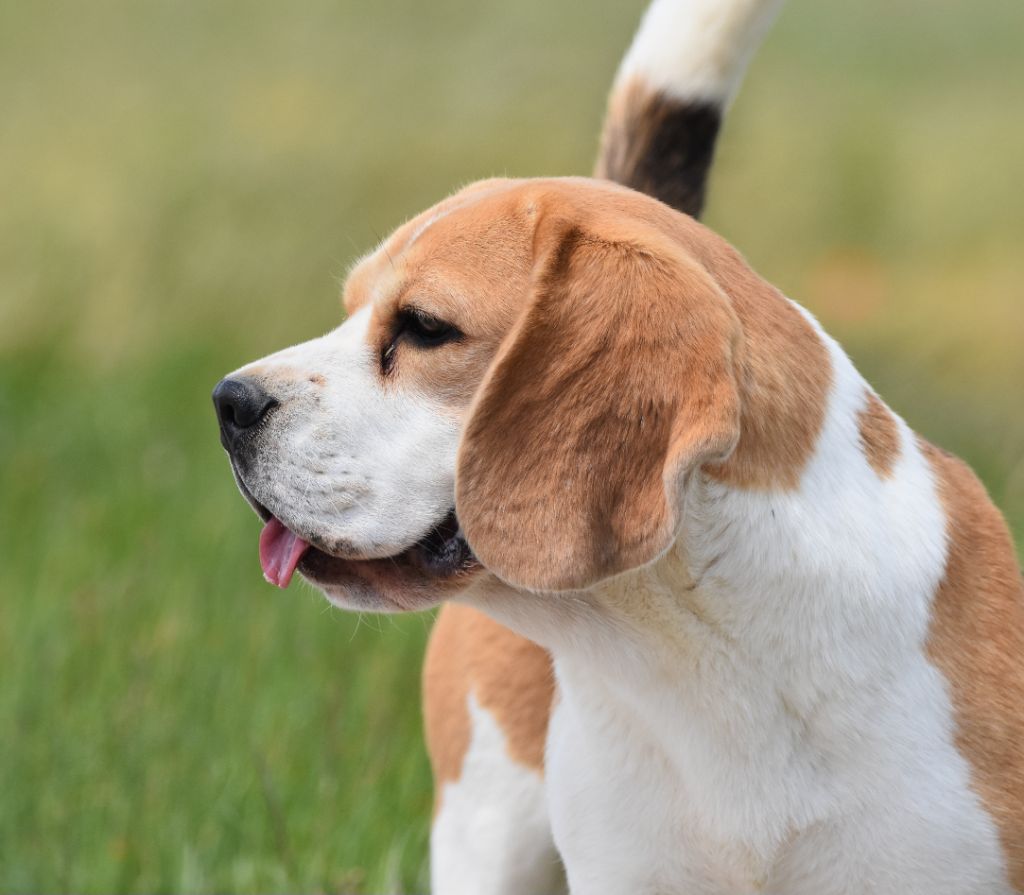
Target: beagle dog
[(715, 619)]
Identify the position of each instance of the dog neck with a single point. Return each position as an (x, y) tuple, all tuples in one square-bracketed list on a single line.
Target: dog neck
[(775, 631), (800, 548)]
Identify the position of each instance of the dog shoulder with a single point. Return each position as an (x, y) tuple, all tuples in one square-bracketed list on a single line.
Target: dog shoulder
[(473, 662)]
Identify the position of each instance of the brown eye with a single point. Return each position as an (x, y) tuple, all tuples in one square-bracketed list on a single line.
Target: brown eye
[(420, 329), (425, 330)]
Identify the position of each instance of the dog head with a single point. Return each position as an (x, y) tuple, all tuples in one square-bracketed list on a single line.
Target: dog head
[(527, 374)]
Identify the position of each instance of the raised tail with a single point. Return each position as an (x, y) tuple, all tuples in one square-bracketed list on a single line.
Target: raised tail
[(674, 84)]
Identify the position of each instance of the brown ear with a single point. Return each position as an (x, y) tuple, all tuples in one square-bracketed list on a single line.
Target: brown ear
[(616, 381)]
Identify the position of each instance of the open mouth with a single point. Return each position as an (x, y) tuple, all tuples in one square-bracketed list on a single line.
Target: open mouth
[(441, 553), (441, 558)]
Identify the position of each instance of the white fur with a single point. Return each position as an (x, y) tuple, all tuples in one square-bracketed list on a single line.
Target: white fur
[(492, 835), (697, 49), (352, 465), (755, 711)]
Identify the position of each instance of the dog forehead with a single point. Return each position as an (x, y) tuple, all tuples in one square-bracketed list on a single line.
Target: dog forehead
[(475, 251), (482, 246), (478, 235)]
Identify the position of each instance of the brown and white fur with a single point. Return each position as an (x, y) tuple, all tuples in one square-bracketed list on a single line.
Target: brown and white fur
[(727, 624)]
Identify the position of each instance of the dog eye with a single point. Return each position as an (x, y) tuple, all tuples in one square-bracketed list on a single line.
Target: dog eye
[(426, 330), (421, 329)]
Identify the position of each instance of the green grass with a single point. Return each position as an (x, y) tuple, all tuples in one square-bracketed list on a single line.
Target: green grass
[(181, 185)]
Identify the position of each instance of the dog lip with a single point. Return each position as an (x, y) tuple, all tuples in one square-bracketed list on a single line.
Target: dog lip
[(443, 549), (250, 499), (442, 553)]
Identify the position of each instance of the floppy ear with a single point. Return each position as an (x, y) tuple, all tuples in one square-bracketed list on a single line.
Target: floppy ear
[(616, 381)]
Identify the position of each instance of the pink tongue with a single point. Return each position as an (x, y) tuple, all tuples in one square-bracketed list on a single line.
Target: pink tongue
[(280, 552)]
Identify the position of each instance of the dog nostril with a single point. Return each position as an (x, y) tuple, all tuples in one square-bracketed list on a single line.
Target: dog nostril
[(227, 414), (240, 404)]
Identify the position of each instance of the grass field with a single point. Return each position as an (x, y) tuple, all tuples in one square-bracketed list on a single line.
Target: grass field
[(181, 186)]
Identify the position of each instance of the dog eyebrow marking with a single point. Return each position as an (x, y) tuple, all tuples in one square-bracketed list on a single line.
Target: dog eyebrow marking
[(879, 435)]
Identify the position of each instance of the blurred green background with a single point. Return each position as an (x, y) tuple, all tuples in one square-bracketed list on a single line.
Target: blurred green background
[(181, 186)]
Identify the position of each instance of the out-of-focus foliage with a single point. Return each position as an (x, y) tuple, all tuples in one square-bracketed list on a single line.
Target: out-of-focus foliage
[(181, 186)]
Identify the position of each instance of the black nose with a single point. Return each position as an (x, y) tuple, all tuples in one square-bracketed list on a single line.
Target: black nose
[(240, 405)]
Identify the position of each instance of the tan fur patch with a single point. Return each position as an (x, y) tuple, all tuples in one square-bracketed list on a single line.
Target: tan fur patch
[(616, 382), (785, 371), (976, 640), (879, 436), (466, 262), (511, 677)]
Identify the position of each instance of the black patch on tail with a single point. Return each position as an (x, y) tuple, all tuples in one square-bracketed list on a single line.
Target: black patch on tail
[(662, 147)]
